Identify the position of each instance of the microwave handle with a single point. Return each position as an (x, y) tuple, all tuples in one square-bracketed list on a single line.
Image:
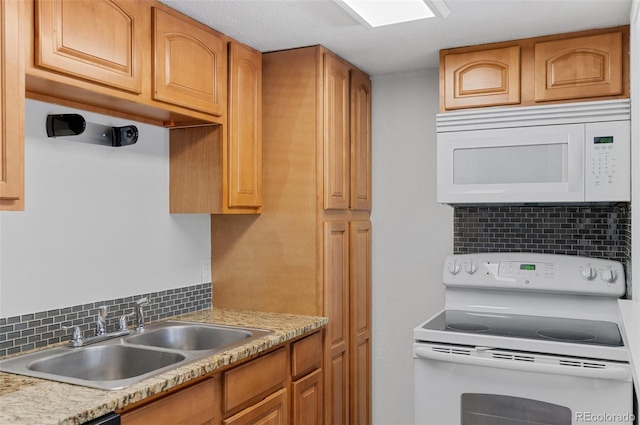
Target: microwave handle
[(610, 372)]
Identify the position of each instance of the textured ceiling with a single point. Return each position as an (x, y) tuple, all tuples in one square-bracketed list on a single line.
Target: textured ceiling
[(269, 25)]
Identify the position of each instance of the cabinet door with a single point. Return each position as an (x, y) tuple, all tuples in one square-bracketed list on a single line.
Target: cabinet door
[(190, 66), (96, 40), (360, 322), (360, 141), (579, 67), (481, 78), (336, 134), (270, 411), (307, 399), (245, 127), (336, 275), (11, 107), (196, 405)]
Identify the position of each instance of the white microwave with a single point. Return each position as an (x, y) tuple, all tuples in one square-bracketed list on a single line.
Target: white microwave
[(550, 154)]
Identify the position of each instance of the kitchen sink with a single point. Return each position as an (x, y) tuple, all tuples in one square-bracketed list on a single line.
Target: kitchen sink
[(123, 361), (105, 362), (193, 336)]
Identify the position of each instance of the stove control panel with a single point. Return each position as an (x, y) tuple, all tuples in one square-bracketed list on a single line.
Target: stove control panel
[(536, 272)]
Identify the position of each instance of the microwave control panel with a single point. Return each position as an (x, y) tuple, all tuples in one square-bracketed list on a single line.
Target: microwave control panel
[(607, 161)]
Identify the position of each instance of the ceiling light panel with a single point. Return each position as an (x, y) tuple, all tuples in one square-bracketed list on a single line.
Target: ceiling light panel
[(377, 13)]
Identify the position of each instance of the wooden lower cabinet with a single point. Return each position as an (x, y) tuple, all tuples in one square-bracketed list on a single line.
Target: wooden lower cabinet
[(307, 386), (270, 411), (277, 388), (307, 398), (198, 404)]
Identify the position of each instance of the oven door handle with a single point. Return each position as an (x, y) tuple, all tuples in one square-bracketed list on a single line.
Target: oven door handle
[(619, 373)]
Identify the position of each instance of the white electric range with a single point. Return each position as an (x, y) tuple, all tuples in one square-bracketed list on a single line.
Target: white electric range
[(525, 339)]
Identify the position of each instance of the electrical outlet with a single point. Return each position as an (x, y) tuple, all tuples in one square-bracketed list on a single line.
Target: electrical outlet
[(206, 270)]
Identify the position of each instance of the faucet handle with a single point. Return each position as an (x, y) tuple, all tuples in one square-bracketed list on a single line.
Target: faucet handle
[(123, 320), (140, 313), (76, 340), (101, 323)]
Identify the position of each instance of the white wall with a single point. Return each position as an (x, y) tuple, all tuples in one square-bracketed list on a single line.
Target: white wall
[(411, 233), (96, 223)]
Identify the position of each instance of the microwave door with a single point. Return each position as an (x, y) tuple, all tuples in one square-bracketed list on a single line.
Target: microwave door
[(533, 164)]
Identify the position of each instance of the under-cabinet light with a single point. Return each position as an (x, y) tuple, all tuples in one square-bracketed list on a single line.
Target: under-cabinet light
[(377, 13)]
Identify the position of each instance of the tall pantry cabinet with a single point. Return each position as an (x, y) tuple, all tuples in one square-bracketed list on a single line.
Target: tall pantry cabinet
[(309, 252)]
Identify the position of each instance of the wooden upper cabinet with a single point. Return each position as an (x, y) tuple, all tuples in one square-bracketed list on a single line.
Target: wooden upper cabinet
[(360, 141), (11, 107), (190, 64), (347, 136), (245, 127), (337, 183), (579, 67), (482, 78), (96, 40)]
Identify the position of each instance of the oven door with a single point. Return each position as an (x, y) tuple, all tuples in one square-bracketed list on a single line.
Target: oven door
[(464, 385), (526, 164)]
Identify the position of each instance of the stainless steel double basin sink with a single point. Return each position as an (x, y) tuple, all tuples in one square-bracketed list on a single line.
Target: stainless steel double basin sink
[(120, 362)]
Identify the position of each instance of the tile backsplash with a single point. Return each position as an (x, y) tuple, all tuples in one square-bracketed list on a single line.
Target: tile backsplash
[(600, 231), (34, 330)]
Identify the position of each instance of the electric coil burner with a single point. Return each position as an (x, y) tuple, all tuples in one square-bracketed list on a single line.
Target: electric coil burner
[(524, 339)]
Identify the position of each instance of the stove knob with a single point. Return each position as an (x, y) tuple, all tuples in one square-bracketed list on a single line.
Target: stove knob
[(609, 275), (454, 268), (589, 273), (471, 268)]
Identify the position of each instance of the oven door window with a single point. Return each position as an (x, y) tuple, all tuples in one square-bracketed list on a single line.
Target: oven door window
[(492, 409)]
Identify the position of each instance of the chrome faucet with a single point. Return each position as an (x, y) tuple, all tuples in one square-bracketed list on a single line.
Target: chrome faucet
[(101, 324), (140, 313)]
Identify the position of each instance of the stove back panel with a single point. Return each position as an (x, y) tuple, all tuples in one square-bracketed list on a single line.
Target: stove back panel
[(600, 231)]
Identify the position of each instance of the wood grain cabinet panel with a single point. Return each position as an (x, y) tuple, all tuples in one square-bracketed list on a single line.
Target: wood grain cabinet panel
[(360, 114), (336, 261), (245, 127), (482, 78), (190, 64), (579, 67), (307, 399), (254, 379), (195, 405), (96, 40), (11, 107), (271, 411), (360, 321), (306, 355), (337, 147)]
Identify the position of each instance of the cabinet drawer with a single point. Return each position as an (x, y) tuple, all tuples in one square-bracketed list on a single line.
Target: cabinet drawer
[(272, 410), (307, 355), (198, 404), (258, 377)]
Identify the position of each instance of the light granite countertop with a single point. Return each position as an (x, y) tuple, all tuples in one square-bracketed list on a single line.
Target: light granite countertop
[(29, 401)]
